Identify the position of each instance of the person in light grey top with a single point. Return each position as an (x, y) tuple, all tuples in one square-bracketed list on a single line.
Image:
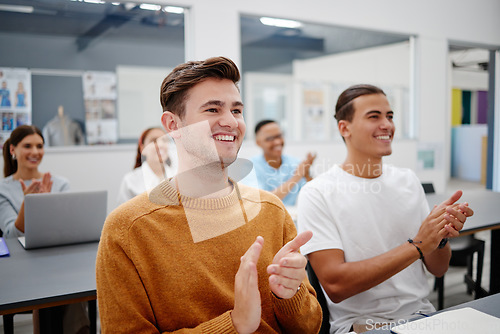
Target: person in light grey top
[(11, 200), (23, 153)]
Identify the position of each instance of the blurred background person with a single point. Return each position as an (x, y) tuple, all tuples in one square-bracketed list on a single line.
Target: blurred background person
[(22, 153), (281, 174), (154, 162)]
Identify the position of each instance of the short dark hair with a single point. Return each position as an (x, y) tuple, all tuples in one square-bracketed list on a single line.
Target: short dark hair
[(344, 110), (262, 123), (174, 88), (16, 136)]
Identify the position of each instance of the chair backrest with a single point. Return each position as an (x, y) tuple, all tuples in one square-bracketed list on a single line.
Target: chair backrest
[(325, 324), (428, 188)]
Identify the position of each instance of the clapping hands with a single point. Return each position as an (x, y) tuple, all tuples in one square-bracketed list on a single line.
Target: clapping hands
[(37, 186), (303, 169), (286, 273)]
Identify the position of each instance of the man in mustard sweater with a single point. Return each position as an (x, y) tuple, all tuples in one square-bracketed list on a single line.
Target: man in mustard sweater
[(200, 253)]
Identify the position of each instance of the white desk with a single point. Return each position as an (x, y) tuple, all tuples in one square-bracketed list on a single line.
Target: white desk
[(489, 305)]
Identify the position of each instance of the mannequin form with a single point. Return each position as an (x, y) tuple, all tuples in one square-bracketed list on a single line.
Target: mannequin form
[(63, 131)]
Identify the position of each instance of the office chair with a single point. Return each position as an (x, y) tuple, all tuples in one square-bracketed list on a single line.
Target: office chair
[(462, 255), (325, 324)]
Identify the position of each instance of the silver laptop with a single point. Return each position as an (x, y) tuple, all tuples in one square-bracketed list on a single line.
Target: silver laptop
[(55, 219)]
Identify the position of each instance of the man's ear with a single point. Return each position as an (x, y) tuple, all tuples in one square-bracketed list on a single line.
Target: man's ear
[(344, 128), (170, 122), (257, 141)]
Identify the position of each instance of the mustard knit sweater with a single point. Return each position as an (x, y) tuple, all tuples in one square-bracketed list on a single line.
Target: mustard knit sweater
[(167, 263)]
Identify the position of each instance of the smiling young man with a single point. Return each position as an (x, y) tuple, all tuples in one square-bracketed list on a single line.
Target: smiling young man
[(200, 253), (373, 233), (281, 174)]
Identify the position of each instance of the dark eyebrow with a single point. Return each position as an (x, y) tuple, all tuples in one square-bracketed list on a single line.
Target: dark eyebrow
[(212, 103), (379, 112), (220, 103)]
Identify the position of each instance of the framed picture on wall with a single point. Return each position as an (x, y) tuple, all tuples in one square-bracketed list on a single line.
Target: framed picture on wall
[(99, 93)]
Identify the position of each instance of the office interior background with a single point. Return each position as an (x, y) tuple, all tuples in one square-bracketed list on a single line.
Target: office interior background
[(431, 57)]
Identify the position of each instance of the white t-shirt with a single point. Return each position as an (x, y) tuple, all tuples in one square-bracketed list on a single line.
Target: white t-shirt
[(365, 218)]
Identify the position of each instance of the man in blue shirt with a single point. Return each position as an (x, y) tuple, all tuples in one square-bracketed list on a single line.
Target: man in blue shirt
[(278, 173)]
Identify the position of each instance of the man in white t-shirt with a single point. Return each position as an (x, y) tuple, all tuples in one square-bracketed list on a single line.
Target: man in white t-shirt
[(373, 233)]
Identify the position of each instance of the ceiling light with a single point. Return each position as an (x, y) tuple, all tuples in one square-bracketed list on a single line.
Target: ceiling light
[(269, 21), (173, 9), (148, 6), (90, 1), (95, 1), (16, 8)]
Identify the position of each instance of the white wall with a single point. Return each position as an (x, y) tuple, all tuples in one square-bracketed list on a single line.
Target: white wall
[(384, 65)]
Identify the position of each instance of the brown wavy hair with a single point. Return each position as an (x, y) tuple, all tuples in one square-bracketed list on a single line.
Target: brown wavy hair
[(174, 88)]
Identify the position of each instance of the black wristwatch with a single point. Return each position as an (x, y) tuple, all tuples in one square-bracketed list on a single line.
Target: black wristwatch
[(443, 243)]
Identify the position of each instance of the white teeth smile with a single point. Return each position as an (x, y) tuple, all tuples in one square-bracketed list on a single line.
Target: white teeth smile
[(224, 138), (386, 137)]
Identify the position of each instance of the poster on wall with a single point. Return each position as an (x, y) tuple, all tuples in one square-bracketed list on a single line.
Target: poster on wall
[(15, 100), (99, 94), (313, 106), (429, 156)]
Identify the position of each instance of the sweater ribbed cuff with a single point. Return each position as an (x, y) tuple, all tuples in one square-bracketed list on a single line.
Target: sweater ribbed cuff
[(292, 305), (223, 324)]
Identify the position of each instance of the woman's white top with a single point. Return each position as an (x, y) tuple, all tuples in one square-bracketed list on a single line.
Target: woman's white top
[(141, 179)]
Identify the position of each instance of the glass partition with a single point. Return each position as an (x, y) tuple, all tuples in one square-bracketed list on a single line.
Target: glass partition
[(313, 63), (85, 56)]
